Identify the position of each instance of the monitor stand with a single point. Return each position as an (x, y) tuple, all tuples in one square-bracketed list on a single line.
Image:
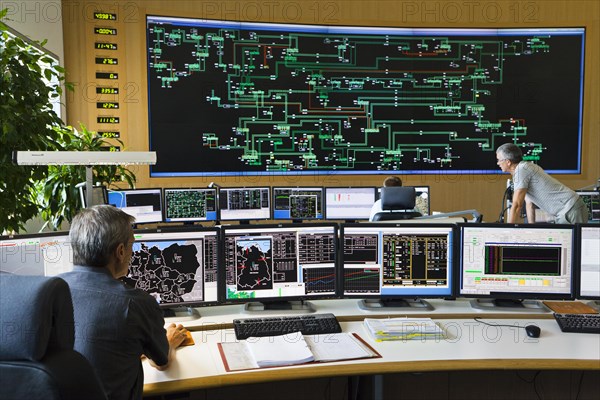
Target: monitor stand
[(533, 306), (375, 304), (299, 306), (180, 313), (595, 304)]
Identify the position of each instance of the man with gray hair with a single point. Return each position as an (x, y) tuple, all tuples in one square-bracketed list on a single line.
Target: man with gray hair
[(534, 187), (114, 324)]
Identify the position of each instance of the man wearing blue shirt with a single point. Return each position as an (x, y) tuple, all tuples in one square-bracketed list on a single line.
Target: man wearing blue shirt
[(114, 324)]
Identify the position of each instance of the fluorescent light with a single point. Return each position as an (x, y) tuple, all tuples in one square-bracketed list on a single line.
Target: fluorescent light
[(84, 157)]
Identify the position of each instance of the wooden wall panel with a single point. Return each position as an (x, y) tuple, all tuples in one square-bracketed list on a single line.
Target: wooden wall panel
[(449, 192)]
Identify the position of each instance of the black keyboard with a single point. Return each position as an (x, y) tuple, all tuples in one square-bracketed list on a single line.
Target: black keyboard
[(580, 323), (314, 324)]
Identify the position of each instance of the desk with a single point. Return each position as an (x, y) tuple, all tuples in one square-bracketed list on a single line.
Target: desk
[(470, 345)]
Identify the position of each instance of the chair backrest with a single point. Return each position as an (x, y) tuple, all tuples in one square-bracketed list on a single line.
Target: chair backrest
[(397, 202), (37, 359)]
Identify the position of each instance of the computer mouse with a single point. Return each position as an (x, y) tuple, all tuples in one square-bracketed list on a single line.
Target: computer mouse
[(533, 331)]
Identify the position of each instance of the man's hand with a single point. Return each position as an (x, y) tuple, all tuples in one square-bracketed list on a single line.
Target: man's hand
[(176, 334)]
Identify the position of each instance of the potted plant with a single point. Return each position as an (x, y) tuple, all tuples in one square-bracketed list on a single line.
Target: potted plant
[(58, 195)]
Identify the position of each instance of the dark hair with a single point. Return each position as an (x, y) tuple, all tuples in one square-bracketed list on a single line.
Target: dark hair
[(96, 232), (511, 152), (392, 181)]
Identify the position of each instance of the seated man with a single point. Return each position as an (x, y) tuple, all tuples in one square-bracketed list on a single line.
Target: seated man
[(114, 324), (387, 182)]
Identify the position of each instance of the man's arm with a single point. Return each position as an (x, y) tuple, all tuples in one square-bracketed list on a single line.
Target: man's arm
[(530, 209), (176, 334), (518, 201)]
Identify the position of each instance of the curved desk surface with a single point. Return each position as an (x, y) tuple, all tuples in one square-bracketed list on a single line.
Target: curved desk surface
[(468, 345)]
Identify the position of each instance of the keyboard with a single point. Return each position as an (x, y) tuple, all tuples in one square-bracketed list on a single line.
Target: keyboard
[(313, 324), (580, 323)]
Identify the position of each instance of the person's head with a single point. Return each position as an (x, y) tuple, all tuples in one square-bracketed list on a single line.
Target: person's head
[(102, 235), (392, 181), (508, 156)]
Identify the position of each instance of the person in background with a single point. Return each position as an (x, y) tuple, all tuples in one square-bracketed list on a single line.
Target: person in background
[(389, 181), (534, 187), (115, 325)]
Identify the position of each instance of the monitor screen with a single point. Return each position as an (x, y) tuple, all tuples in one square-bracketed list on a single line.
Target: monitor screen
[(279, 262), (144, 204), (298, 203), (589, 261), (176, 267), (244, 203), (99, 195), (349, 203), (397, 260), (190, 205), (591, 198), (422, 201), (517, 261), (259, 98), (45, 254)]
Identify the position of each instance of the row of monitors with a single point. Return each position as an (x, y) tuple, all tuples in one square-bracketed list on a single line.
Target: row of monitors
[(197, 266), (253, 203)]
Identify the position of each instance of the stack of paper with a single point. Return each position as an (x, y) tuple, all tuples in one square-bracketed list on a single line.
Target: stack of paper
[(402, 328), (280, 350)]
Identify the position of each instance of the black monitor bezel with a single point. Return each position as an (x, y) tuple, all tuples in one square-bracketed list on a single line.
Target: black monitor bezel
[(83, 194), (142, 189), (325, 214), (222, 189), (578, 234), (451, 274), (514, 295), (223, 272), (186, 229), (304, 187), (188, 220)]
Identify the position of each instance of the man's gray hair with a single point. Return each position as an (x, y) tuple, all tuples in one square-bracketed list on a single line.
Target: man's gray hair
[(511, 152), (96, 232)]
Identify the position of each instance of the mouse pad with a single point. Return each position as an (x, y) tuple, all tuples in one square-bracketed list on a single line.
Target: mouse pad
[(570, 307)]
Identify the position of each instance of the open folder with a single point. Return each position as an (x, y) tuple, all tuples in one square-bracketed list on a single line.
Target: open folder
[(292, 349)]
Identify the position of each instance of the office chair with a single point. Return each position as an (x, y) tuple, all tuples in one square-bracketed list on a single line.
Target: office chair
[(397, 203), (37, 360)]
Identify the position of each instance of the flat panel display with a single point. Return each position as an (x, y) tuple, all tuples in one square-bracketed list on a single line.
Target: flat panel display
[(591, 198), (297, 203), (248, 203), (178, 267), (517, 261), (589, 262), (255, 98), (280, 262), (46, 254), (144, 204), (349, 203), (190, 204), (398, 260)]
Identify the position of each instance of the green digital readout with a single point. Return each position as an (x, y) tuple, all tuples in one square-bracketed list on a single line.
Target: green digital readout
[(107, 60), (105, 16), (110, 134), (105, 31), (107, 120), (105, 46), (107, 75), (107, 104), (107, 90)]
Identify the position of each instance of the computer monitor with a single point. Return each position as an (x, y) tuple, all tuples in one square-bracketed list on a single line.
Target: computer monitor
[(279, 266), (422, 199), (178, 267), (144, 204), (503, 265), (591, 198), (99, 195), (588, 243), (44, 254), (190, 205), (298, 203), (397, 265), (244, 203), (349, 203)]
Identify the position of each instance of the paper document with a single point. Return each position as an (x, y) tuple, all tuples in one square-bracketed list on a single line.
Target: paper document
[(337, 346), (280, 350), (402, 328)]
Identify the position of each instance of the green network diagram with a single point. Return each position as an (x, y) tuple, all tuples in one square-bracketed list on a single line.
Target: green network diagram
[(234, 101)]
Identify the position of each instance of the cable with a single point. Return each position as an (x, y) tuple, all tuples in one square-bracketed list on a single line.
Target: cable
[(504, 199), (508, 326)]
